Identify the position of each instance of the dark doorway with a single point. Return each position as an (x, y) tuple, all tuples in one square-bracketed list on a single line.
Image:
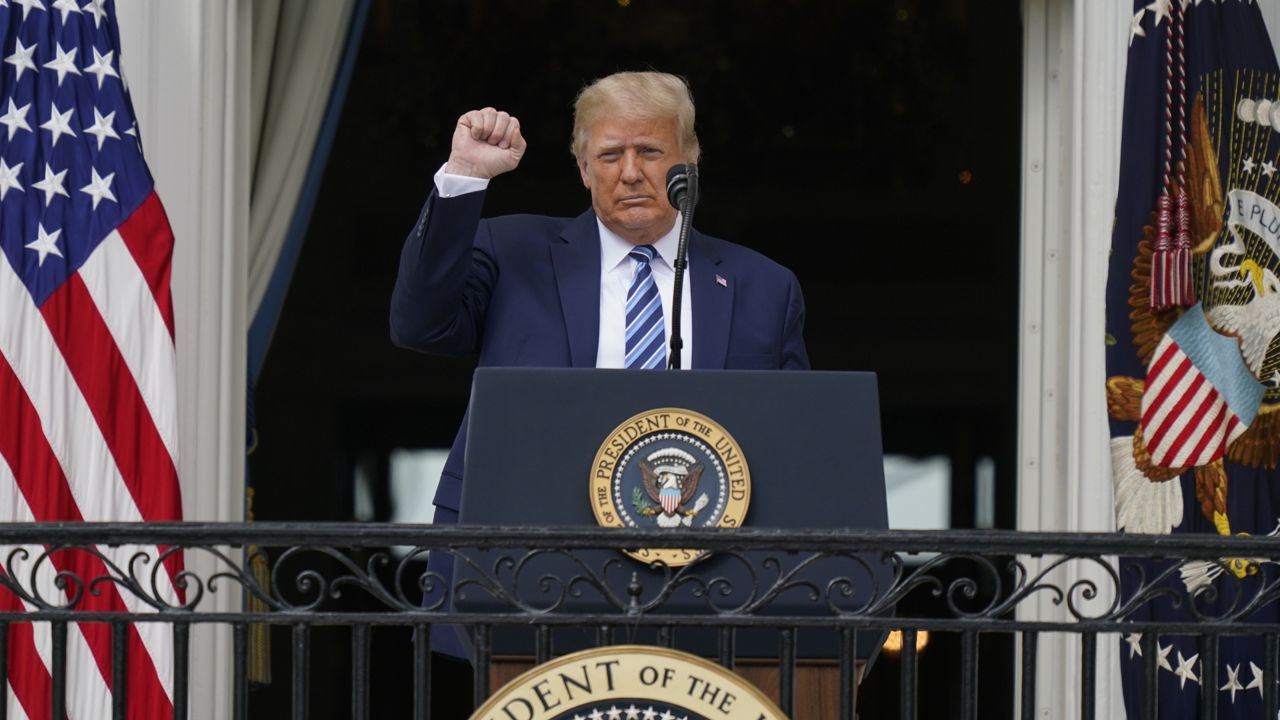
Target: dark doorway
[(872, 146)]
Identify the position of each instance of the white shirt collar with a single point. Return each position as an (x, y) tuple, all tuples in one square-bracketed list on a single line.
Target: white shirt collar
[(613, 249)]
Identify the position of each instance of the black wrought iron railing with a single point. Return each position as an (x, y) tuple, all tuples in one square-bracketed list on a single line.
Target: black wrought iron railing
[(546, 591)]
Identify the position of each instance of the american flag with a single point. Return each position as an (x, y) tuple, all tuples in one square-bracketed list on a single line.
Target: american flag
[(88, 425)]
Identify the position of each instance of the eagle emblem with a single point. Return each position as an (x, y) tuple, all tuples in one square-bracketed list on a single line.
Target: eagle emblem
[(1212, 386), (671, 480)]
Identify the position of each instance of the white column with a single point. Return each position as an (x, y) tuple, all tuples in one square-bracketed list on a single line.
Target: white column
[(187, 65), (1073, 87)]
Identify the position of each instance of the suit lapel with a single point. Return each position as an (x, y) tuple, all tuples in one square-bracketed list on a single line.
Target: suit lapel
[(576, 258), (712, 304)]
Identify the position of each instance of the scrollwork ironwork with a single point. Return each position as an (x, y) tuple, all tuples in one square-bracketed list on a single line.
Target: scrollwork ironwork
[(849, 579)]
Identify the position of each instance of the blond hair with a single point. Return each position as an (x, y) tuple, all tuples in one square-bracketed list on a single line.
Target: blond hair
[(636, 96)]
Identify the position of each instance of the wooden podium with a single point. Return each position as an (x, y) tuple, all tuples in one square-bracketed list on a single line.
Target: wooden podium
[(817, 695)]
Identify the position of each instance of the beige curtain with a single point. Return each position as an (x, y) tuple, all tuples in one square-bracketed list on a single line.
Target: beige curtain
[(297, 45)]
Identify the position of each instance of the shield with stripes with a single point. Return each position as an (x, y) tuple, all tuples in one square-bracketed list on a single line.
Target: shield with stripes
[(1198, 398), (670, 498)]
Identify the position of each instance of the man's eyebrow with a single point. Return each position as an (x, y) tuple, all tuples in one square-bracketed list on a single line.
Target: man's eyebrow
[(614, 144)]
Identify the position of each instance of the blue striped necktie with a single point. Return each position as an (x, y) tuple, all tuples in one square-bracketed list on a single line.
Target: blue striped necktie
[(646, 337)]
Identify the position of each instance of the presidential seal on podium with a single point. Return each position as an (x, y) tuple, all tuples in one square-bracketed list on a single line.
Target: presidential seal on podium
[(669, 468), (628, 682)]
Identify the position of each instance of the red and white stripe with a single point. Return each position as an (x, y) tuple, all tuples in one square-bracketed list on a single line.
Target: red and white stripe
[(87, 688), (1185, 420), (670, 503), (88, 394)]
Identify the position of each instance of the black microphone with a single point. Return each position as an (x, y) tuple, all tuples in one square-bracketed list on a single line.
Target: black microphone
[(679, 178), (682, 191)]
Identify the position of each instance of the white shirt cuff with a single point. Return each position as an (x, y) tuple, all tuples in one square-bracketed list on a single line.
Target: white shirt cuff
[(449, 185)]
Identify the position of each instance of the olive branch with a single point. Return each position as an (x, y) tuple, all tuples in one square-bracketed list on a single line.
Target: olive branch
[(641, 505)]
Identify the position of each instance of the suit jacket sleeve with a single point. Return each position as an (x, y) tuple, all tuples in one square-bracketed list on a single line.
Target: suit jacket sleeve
[(794, 355), (448, 270)]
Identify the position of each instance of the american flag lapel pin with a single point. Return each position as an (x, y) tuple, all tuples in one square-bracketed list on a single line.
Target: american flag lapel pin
[(721, 281)]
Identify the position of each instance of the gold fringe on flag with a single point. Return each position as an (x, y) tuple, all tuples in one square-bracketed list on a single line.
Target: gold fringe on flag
[(258, 664)]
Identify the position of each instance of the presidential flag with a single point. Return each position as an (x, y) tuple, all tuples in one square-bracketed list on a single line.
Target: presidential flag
[(87, 372), (1193, 339)]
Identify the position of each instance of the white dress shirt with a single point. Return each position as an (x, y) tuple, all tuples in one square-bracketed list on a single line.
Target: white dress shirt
[(616, 271), (449, 185)]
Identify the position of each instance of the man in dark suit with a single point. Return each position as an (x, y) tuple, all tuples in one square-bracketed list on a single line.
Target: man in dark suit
[(589, 291)]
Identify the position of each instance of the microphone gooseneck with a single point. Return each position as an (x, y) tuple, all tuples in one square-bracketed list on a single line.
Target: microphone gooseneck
[(682, 192)]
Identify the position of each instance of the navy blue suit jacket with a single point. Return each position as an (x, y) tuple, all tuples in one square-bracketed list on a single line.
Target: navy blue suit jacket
[(524, 291)]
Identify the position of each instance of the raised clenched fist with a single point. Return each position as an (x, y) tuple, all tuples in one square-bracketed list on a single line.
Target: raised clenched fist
[(486, 143)]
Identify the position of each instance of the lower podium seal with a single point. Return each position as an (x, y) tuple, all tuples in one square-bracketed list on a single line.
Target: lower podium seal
[(629, 682)]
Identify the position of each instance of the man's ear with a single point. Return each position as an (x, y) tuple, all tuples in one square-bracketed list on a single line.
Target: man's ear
[(582, 170)]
